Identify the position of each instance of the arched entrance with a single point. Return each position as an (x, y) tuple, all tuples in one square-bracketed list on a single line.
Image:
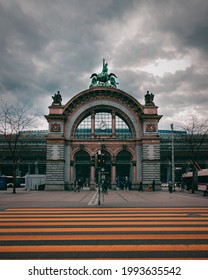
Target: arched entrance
[(123, 168), (82, 166)]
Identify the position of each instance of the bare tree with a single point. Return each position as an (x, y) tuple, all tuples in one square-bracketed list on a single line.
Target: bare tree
[(197, 135), (14, 120)]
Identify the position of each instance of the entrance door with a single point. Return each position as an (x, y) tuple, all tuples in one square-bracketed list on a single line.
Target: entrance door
[(82, 167), (123, 169)]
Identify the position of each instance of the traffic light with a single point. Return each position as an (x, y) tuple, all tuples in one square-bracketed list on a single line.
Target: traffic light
[(103, 159), (99, 160)]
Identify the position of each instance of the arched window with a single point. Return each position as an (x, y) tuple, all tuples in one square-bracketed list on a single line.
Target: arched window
[(82, 157), (83, 130), (122, 129), (103, 124), (123, 157)]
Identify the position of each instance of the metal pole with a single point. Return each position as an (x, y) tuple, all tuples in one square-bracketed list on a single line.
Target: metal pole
[(173, 163), (99, 187), (99, 180)]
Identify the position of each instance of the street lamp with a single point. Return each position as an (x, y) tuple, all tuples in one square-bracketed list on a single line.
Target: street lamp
[(173, 163), (99, 154)]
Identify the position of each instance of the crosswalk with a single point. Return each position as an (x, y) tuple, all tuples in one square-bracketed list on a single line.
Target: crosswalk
[(104, 233)]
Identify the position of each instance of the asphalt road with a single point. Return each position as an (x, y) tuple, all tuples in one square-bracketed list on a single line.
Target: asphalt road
[(126, 225), (87, 198), (115, 233)]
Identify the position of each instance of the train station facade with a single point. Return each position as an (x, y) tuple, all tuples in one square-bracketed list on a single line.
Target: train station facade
[(106, 119)]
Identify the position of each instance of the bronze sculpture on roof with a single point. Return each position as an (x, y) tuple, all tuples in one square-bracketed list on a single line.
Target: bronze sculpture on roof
[(103, 78)]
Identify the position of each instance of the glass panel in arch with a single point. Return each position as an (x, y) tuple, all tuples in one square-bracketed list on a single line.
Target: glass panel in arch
[(103, 123), (122, 129), (84, 129)]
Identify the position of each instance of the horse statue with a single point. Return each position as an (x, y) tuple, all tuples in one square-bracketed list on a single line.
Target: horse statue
[(103, 78)]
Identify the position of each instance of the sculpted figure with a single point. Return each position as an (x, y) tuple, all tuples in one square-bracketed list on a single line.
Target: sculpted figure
[(103, 78), (57, 98), (149, 98)]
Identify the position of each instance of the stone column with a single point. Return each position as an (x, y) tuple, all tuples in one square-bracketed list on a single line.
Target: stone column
[(55, 166), (67, 175), (72, 171), (151, 163), (134, 172), (113, 124), (93, 124), (113, 173)]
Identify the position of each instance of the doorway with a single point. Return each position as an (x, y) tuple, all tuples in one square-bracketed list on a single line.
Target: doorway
[(123, 169), (82, 167)]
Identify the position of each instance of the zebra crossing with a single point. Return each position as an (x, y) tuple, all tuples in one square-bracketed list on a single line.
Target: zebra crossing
[(104, 233)]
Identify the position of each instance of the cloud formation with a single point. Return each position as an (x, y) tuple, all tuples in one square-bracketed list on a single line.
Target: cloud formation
[(161, 46)]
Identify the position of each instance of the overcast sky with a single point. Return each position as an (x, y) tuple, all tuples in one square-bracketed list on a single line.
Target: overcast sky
[(155, 45)]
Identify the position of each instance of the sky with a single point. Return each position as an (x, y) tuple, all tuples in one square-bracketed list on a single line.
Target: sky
[(157, 45)]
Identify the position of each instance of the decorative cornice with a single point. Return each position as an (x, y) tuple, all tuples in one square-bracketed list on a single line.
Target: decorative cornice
[(103, 93)]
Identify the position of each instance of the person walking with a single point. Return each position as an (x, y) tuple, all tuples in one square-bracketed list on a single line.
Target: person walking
[(153, 185), (170, 187), (140, 187)]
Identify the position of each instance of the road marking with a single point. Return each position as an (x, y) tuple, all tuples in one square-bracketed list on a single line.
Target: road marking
[(94, 223), (104, 229), (104, 248), (102, 233), (113, 209), (175, 236), (94, 200)]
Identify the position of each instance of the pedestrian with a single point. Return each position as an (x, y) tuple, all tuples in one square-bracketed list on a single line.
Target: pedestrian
[(206, 190), (79, 185), (128, 183), (150, 188), (106, 187), (170, 187), (153, 185), (140, 186)]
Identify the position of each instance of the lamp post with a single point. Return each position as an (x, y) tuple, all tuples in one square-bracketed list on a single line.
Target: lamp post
[(99, 177), (173, 163)]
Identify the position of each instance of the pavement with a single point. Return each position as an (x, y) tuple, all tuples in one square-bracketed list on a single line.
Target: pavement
[(88, 198)]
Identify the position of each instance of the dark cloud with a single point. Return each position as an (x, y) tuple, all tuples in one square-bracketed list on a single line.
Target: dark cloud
[(48, 45)]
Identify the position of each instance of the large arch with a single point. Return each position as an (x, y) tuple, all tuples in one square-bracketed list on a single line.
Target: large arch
[(142, 145), (127, 112)]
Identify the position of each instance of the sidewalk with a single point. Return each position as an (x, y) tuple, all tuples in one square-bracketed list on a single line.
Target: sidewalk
[(115, 198)]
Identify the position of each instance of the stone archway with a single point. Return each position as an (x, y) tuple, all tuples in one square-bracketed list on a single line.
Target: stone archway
[(123, 168), (102, 116)]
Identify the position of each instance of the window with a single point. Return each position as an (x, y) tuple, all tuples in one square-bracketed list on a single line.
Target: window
[(103, 126), (84, 129), (122, 129), (103, 123)]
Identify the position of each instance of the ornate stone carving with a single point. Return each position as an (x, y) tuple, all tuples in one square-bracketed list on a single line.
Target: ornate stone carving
[(151, 127), (55, 127)]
